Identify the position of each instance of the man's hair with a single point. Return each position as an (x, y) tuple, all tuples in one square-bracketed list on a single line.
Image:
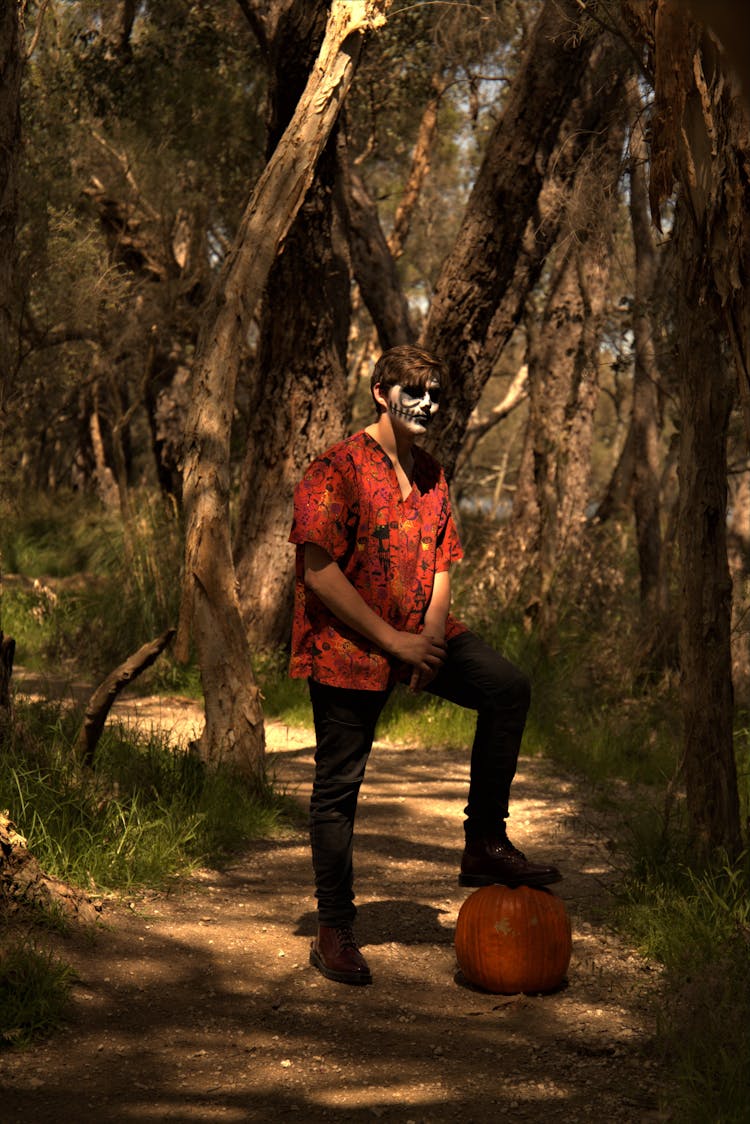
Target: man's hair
[(405, 366)]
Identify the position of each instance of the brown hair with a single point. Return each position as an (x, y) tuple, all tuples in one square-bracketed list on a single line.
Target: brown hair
[(406, 366)]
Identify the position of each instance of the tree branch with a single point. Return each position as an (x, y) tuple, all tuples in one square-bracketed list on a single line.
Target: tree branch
[(104, 696)]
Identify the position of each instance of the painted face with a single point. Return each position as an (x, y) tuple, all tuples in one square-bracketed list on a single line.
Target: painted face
[(414, 406)]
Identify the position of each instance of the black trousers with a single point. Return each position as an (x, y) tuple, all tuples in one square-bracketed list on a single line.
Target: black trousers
[(475, 676)]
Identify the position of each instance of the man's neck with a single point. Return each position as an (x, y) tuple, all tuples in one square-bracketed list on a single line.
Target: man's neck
[(399, 445)]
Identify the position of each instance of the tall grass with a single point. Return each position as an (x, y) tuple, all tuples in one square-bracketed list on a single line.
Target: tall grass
[(88, 589), (147, 814), (34, 992), (698, 925)]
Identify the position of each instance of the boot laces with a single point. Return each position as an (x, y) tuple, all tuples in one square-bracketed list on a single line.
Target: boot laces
[(345, 937), (505, 844)]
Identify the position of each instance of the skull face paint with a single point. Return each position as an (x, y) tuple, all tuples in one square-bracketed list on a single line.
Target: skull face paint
[(414, 406)]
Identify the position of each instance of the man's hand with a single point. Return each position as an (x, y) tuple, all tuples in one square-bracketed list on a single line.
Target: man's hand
[(425, 653)]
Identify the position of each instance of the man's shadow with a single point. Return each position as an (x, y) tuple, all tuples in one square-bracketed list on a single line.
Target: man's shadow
[(390, 922)]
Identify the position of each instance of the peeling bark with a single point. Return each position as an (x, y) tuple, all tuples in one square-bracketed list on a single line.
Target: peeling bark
[(700, 140), (297, 403), (234, 720)]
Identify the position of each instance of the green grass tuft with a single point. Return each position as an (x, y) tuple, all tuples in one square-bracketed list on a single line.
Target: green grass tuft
[(34, 993)]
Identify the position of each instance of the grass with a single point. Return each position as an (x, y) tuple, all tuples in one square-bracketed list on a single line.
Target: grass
[(146, 815), (34, 993), (81, 572), (698, 925)]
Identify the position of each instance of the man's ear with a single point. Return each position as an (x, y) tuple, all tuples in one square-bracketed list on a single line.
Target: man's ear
[(379, 397)]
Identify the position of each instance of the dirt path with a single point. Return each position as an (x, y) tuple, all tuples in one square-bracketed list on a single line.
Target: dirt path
[(201, 1005)]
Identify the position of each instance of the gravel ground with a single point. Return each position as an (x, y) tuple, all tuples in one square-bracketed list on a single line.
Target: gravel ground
[(200, 1004)]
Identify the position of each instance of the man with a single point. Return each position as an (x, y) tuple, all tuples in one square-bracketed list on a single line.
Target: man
[(375, 541)]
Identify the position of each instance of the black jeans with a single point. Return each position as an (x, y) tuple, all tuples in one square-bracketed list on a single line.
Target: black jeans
[(475, 676)]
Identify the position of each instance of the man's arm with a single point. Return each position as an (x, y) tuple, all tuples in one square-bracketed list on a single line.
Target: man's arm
[(435, 617), (437, 611), (325, 578)]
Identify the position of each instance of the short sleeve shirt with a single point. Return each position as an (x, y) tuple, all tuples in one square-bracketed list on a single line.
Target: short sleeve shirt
[(349, 503)]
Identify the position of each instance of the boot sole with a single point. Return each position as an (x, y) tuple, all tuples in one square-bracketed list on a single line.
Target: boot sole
[(487, 880), (355, 978)]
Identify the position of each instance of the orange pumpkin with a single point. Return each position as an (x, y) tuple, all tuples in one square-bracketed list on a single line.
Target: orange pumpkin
[(511, 940)]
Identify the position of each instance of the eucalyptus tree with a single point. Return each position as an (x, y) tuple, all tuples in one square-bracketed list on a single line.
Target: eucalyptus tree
[(480, 267), (564, 357), (12, 50), (296, 401), (700, 145), (210, 607)]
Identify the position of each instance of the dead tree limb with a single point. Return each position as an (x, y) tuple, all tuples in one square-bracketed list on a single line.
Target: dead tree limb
[(104, 696), (23, 883)]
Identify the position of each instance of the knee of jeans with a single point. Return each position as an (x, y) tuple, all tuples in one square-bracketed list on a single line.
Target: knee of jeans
[(516, 693)]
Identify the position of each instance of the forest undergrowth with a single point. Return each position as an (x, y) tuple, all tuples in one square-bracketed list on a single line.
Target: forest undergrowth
[(80, 594)]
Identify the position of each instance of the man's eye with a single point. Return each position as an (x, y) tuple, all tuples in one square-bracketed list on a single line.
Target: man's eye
[(418, 392)]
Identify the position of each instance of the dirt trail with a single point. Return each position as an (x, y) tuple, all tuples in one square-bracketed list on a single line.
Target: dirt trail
[(201, 1005)]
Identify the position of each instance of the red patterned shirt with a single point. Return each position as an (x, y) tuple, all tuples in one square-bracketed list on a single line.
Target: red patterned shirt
[(349, 503)]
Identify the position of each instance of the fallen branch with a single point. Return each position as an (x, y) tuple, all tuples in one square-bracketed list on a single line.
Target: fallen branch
[(24, 883), (104, 696)]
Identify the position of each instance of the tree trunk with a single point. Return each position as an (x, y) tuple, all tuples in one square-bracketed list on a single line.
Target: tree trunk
[(373, 254), (700, 136), (706, 393), (373, 265), (297, 402), (646, 411), (100, 703), (563, 377), (234, 720), (552, 491), (588, 118), (394, 243), (738, 550), (11, 67), (421, 159), (480, 268), (7, 654)]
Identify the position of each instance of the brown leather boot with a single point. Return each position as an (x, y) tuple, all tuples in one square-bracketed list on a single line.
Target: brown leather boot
[(493, 859), (334, 952)]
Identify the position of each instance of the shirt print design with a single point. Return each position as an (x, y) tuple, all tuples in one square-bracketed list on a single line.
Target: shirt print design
[(349, 503)]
